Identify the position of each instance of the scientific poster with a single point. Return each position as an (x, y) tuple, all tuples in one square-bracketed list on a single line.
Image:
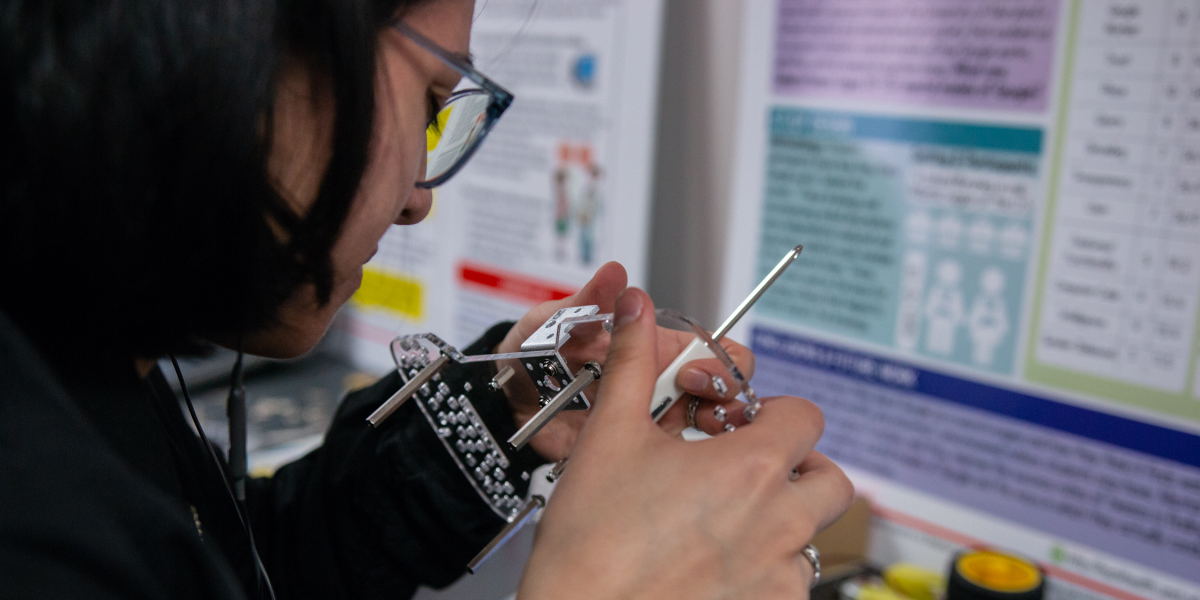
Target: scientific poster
[(560, 186), (996, 307)]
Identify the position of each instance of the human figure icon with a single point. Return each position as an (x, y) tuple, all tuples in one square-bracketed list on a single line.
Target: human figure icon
[(988, 321), (908, 313), (562, 213), (587, 215), (577, 202), (944, 308)]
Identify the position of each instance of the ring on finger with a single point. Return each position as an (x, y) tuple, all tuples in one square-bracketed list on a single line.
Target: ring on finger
[(814, 558), (691, 412)]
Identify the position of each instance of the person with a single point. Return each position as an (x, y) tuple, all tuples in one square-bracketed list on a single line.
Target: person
[(179, 173)]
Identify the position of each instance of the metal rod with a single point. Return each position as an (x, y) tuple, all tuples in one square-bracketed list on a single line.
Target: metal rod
[(510, 355), (387, 408), (792, 255), (535, 502), (557, 470), (502, 377), (589, 373)]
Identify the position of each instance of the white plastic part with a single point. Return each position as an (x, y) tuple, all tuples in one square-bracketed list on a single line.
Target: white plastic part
[(539, 485), (666, 391)]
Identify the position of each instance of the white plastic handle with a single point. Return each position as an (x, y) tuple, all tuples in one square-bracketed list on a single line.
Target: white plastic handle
[(666, 392)]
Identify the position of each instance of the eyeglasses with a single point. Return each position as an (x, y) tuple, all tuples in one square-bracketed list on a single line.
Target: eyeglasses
[(469, 114)]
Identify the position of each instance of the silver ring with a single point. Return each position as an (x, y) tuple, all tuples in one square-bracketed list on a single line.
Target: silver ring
[(691, 412), (814, 558)]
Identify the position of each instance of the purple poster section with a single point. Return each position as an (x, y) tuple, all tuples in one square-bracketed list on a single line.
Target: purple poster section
[(1127, 487), (962, 53)]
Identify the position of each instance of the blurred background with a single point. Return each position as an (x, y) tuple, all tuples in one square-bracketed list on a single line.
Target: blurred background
[(996, 307)]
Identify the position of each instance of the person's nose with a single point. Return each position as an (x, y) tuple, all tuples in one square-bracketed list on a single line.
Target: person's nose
[(419, 202), (419, 205)]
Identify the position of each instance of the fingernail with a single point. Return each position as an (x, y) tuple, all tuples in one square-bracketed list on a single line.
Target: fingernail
[(629, 307), (751, 411), (694, 380), (719, 385)]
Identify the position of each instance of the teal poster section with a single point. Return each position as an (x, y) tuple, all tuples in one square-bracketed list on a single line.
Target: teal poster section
[(916, 232)]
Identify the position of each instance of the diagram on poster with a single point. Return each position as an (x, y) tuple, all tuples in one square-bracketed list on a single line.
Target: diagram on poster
[(916, 232), (997, 306)]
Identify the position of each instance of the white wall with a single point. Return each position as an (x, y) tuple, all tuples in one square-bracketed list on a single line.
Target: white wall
[(695, 157)]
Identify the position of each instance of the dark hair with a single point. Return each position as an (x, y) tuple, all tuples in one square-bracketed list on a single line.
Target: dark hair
[(136, 207)]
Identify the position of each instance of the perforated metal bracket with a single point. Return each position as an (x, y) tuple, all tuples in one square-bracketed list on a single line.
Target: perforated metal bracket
[(550, 374), (420, 359), (457, 424), (582, 379), (557, 329)]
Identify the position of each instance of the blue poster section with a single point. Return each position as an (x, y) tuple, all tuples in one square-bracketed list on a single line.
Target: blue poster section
[(1124, 487), (802, 122), (916, 232)]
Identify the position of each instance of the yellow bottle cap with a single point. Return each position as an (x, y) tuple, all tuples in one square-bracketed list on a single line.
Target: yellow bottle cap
[(998, 572)]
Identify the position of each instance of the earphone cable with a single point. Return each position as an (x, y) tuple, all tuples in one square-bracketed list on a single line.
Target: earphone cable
[(258, 564)]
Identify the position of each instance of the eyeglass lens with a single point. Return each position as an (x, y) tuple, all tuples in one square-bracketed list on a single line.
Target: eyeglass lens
[(455, 131)]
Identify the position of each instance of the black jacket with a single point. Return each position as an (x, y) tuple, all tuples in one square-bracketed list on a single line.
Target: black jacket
[(106, 492)]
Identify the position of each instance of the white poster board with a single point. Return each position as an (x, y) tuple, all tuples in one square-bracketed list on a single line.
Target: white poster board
[(560, 186), (996, 308)]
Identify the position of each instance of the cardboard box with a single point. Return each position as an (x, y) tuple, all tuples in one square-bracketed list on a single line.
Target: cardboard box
[(843, 545)]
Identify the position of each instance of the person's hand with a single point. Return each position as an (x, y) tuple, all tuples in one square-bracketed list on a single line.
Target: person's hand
[(640, 513), (590, 343)]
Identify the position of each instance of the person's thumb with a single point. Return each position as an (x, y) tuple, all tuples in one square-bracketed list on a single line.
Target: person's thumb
[(602, 289), (630, 369)]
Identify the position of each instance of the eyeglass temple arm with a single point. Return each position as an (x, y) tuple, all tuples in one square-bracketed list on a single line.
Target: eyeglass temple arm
[(455, 62)]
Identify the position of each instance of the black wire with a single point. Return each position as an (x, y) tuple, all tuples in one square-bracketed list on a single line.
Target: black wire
[(237, 507), (235, 410)]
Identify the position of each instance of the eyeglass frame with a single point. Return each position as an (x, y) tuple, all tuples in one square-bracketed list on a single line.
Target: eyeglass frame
[(498, 101)]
